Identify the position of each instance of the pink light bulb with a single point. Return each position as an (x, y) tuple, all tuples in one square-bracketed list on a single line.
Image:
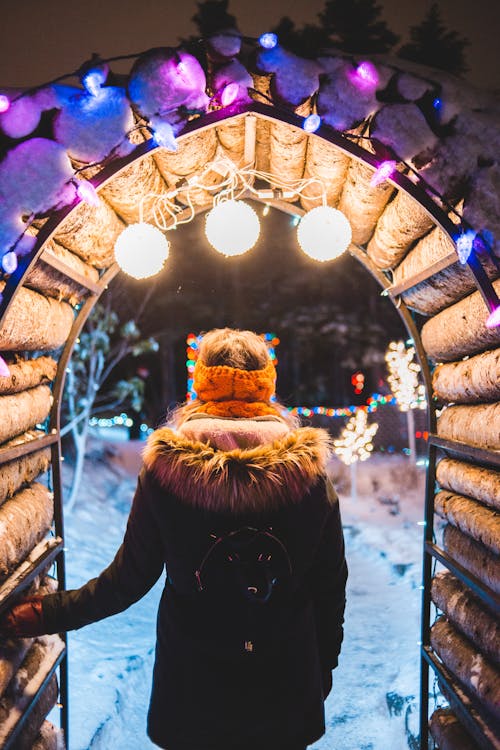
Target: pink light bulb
[(87, 192), (365, 77), (4, 370), (493, 319), (229, 94), (385, 170), (4, 103)]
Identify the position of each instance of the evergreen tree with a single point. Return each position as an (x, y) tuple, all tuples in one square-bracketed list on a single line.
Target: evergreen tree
[(212, 16), (355, 26), (432, 45), (305, 42)]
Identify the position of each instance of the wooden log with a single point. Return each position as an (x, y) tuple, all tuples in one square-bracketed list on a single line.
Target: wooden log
[(471, 517), (24, 521), (15, 474), (327, 163), (28, 373), (448, 733), (476, 425), (191, 156), (91, 232), (361, 202), (262, 93), (34, 322), (129, 186), (473, 481), (32, 725), (460, 330), (49, 738), (45, 279), (467, 613), (12, 654), (402, 222), (24, 685), (22, 411), (287, 150), (231, 136), (486, 728), (476, 379), (473, 670), (472, 556)]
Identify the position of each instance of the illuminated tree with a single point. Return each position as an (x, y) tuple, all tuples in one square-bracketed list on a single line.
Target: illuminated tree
[(404, 384), (355, 443)]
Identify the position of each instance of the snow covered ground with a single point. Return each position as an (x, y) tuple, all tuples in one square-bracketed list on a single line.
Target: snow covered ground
[(376, 684)]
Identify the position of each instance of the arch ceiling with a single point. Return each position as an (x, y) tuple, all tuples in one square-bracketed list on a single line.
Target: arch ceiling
[(77, 163)]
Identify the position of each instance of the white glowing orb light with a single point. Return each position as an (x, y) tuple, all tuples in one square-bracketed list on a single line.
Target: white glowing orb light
[(232, 227), (324, 233), (141, 250)]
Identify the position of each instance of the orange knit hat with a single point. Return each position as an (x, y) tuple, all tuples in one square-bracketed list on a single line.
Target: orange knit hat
[(230, 392)]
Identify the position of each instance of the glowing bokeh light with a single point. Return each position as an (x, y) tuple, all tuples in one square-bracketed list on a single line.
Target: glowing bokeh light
[(4, 103), (324, 233), (9, 262), (141, 250), (311, 123), (385, 170), (268, 40), (365, 77), (232, 227)]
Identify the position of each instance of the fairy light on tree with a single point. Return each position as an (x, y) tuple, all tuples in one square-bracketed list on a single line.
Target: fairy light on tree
[(404, 384), (355, 444)]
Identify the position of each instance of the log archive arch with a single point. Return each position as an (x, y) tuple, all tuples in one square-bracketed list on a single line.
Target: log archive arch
[(407, 241)]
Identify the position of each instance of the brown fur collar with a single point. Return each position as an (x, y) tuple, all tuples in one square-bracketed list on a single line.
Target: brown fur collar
[(250, 479)]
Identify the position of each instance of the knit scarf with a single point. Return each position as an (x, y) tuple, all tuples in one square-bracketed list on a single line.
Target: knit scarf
[(230, 392)]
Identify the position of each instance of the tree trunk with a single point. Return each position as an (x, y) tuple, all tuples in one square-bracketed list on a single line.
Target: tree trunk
[(34, 322), (22, 411), (467, 613), (471, 381), (14, 474), (471, 517), (477, 674), (466, 479), (460, 330), (448, 733), (28, 373), (472, 556), (24, 521), (476, 425)]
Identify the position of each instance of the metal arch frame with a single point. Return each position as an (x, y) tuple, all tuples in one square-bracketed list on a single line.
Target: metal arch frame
[(401, 182)]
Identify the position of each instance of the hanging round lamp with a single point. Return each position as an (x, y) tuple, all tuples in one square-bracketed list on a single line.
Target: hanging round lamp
[(141, 250), (324, 233), (232, 227)]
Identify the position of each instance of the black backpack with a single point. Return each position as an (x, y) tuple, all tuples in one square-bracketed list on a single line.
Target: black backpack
[(249, 562)]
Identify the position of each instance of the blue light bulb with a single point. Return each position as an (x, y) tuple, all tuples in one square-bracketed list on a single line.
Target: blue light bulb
[(311, 123), (268, 40), (164, 136), (94, 79)]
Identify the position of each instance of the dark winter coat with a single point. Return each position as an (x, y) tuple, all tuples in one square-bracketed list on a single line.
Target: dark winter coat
[(229, 673)]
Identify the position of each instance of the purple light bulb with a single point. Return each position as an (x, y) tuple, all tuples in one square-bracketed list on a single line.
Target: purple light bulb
[(4, 370), (385, 170), (493, 319), (229, 94), (87, 192), (4, 103)]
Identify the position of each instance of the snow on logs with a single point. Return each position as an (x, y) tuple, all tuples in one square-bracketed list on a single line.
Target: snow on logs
[(470, 381), (476, 425), (479, 676), (45, 279), (34, 322), (448, 733), (25, 518), (49, 738), (467, 479), (473, 556), (460, 330), (22, 411), (27, 681), (471, 517), (467, 613)]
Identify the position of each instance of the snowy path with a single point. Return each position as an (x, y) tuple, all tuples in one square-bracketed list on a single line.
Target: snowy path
[(111, 661)]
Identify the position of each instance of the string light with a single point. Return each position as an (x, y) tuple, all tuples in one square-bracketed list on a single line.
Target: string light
[(385, 170), (141, 250), (9, 262), (4, 370), (324, 233), (403, 377), (4, 103), (164, 136), (493, 319), (365, 76), (355, 442), (94, 77), (311, 123), (232, 227), (229, 94), (268, 40), (464, 244), (87, 192)]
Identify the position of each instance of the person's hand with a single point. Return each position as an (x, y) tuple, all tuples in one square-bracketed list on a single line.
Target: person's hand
[(24, 620)]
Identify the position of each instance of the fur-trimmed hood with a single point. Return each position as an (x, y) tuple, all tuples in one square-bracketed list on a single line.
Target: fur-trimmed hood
[(244, 479)]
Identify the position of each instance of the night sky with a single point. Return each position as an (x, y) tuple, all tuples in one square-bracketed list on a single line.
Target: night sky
[(41, 40)]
